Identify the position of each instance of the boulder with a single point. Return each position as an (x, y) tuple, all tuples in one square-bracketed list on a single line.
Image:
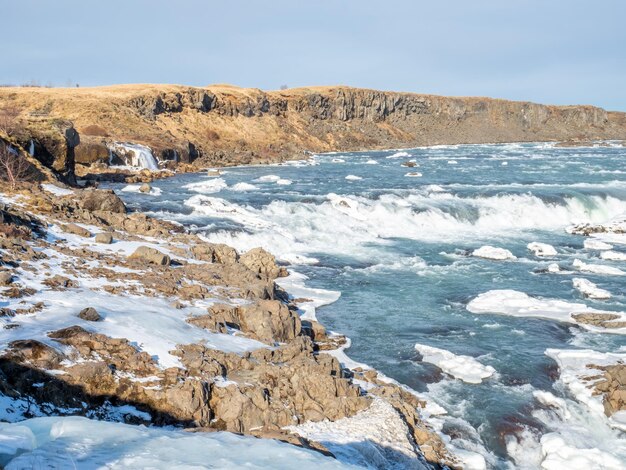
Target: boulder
[(104, 238), (100, 200), (151, 256), (145, 188), (262, 263), (215, 253), (89, 314), (6, 278), (76, 230)]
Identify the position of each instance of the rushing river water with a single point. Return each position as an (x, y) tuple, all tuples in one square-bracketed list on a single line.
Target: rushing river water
[(396, 242)]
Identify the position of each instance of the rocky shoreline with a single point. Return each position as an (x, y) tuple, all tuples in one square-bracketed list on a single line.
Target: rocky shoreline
[(235, 356)]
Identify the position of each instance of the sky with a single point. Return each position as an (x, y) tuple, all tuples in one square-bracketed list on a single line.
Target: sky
[(547, 51)]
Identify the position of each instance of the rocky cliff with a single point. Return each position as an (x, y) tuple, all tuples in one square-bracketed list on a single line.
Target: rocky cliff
[(223, 125)]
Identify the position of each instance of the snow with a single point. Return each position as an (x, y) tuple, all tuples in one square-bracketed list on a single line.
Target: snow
[(589, 289), (613, 256), (541, 249), (518, 304), (374, 438), (491, 252), (56, 190), (74, 442), (465, 368), (208, 186), (135, 188), (593, 244), (294, 285), (353, 178), (573, 365), (597, 268)]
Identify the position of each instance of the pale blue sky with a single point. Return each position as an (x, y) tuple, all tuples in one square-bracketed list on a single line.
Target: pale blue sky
[(551, 51)]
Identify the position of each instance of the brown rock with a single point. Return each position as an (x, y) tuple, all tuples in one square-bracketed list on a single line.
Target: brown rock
[(76, 230), (145, 188), (89, 314), (104, 238), (6, 278), (101, 200), (261, 262), (151, 256)]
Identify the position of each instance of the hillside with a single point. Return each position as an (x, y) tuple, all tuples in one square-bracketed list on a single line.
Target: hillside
[(224, 125)]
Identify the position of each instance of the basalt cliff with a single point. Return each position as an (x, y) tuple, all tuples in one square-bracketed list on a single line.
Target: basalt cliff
[(226, 125)]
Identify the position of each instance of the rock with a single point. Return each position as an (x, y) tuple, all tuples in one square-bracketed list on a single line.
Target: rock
[(151, 256), (409, 164), (76, 230), (266, 320), (101, 200), (6, 278), (89, 314), (215, 253), (145, 188), (58, 282), (104, 238), (261, 262)]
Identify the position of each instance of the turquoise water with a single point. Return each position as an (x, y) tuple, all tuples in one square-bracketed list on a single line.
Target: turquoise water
[(397, 248)]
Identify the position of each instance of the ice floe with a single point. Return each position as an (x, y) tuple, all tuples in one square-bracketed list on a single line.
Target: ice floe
[(597, 268), (465, 368), (491, 252), (243, 187), (589, 289), (518, 304), (283, 181), (541, 249), (267, 179), (353, 178), (613, 255), (593, 244)]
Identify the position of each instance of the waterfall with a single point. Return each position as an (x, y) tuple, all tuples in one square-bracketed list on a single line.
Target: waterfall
[(31, 148), (136, 155)]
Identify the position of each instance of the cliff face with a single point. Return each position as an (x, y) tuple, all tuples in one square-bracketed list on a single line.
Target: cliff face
[(221, 125)]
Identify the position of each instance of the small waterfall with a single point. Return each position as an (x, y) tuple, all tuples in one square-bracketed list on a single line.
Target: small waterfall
[(136, 155), (31, 148)]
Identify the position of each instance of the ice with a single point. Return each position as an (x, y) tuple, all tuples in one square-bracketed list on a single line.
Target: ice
[(56, 190), (294, 285), (452, 162), (75, 442), (465, 368), (618, 420), (613, 256), (491, 252), (593, 244), (589, 289), (135, 188), (371, 162), (597, 268), (542, 249), (208, 186), (353, 178), (518, 304), (243, 187), (374, 438), (561, 456), (283, 182), (140, 155), (553, 268), (413, 174)]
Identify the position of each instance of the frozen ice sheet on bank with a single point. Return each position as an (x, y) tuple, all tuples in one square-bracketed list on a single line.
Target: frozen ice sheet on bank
[(465, 368), (74, 442), (492, 252)]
